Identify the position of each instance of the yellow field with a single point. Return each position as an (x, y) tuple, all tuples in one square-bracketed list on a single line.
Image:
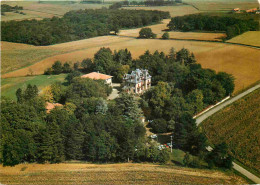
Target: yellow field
[(197, 36), (250, 38), (174, 10), (223, 5), (126, 173), (238, 60), (35, 10)]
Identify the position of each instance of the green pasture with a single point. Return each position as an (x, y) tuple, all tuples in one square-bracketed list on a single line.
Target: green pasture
[(10, 85)]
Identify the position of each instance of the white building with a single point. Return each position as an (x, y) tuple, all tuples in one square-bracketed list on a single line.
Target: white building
[(137, 82), (99, 76)]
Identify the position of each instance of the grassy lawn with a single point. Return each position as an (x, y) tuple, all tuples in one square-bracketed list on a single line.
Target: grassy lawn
[(10, 85), (238, 125)]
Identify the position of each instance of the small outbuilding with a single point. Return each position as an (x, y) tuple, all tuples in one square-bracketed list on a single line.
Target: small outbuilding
[(99, 76)]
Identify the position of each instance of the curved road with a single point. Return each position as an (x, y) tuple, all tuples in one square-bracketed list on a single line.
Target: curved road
[(204, 116)]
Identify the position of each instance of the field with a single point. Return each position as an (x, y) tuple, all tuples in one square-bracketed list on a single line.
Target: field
[(174, 10), (238, 125), (249, 38), (237, 60), (36, 10), (10, 85), (222, 5), (126, 173)]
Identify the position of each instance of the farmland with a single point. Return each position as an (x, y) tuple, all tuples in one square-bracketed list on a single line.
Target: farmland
[(125, 173), (249, 38), (238, 125), (10, 85), (237, 60), (36, 10)]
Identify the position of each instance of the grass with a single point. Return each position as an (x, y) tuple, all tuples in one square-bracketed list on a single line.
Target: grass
[(125, 173), (249, 38), (238, 125), (46, 9), (10, 85)]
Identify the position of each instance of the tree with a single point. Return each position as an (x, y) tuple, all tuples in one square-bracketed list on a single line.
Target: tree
[(57, 68), (66, 68), (87, 65), (195, 100), (146, 33), (165, 36), (219, 157), (227, 82), (19, 95), (187, 159)]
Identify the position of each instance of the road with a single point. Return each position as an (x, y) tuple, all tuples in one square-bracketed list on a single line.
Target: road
[(224, 104), (204, 116)]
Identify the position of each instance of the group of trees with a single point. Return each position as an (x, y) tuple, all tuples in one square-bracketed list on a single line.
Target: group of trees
[(145, 3), (232, 26), (8, 8), (58, 68), (87, 126), (75, 25), (147, 33)]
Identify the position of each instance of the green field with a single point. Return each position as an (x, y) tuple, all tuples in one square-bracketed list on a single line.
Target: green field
[(10, 85), (238, 125)]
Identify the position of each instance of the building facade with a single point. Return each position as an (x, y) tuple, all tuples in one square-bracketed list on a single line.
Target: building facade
[(137, 82)]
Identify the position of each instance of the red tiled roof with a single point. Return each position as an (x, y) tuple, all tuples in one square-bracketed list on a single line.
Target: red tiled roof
[(50, 106), (96, 76)]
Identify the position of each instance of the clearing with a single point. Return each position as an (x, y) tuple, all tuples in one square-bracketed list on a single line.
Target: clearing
[(125, 173), (10, 85), (249, 38), (238, 125)]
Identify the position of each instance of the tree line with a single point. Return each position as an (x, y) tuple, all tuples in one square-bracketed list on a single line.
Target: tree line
[(8, 8), (231, 25), (76, 25)]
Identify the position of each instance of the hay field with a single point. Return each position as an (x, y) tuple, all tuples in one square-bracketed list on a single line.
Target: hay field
[(36, 10), (238, 125), (125, 173), (15, 56), (197, 35), (174, 10), (250, 38), (238, 60), (10, 85), (222, 5)]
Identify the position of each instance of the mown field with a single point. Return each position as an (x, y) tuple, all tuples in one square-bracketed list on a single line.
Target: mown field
[(126, 173), (237, 60), (36, 10), (238, 125), (222, 5), (10, 85), (249, 38)]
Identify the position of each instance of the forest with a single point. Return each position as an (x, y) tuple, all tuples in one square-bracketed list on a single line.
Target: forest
[(8, 8), (76, 25), (198, 22), (88, 127)]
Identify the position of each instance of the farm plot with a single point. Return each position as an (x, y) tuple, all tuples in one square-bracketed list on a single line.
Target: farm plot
[(10, 85), (237, 60), (238, 125), (174, 10), (125, 173), (222, 5), (249, 38), (197, 36), (41, 10)]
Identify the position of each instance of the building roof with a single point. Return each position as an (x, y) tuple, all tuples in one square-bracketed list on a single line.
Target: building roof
[(96, 76), (137, 76), (50, 106)]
